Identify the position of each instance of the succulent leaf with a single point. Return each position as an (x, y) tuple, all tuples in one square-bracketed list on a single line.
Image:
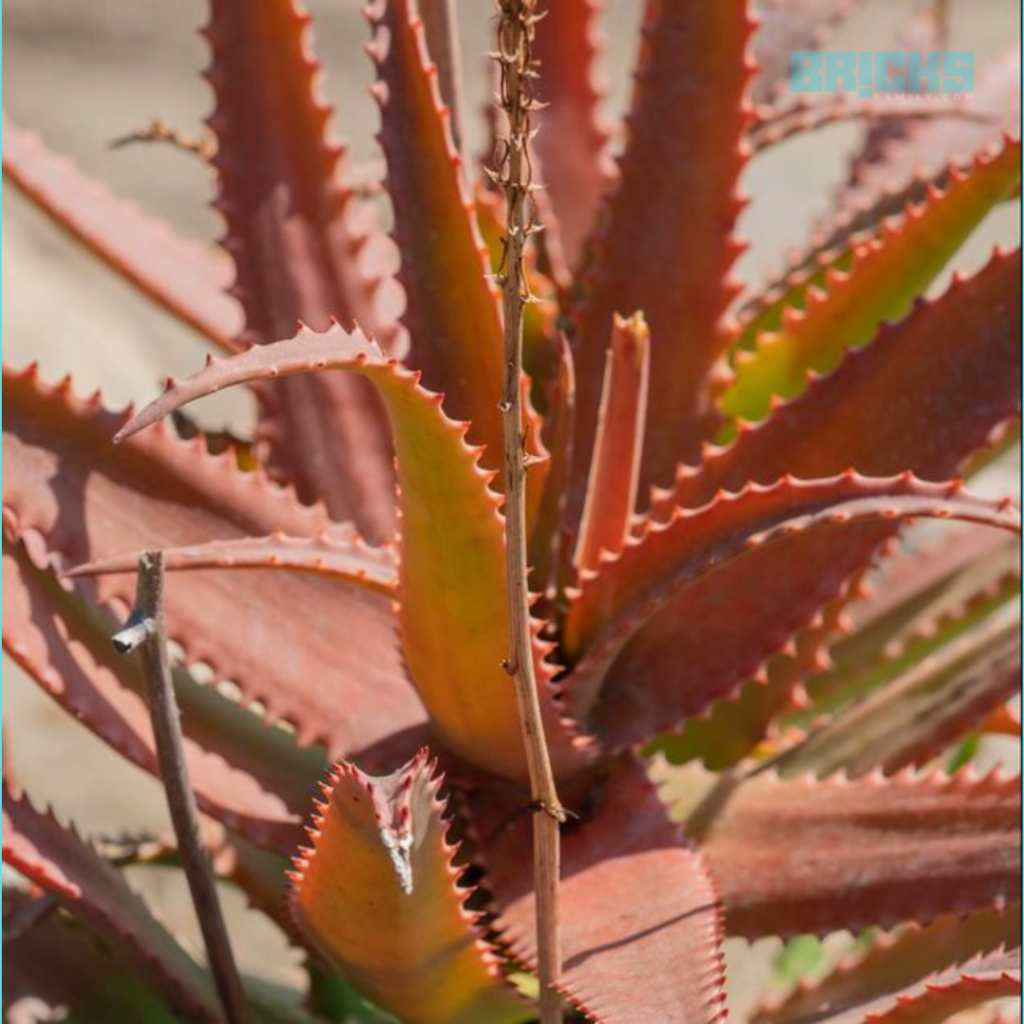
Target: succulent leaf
[(849, 869), (572, 140), (920, 714), (338, 554), (879, 283), (56, 859), (926, 394), (790, 546), (456, 342), (63, 642), (895, 961), (378, 897), (160, 492), (300, 252), (675, 202), (451, 590), (635, 903), (615, 466), (180, 274)]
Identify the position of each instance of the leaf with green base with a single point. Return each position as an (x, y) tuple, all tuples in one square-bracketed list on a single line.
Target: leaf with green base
[(451, 588), (879, 280), (378, 896)]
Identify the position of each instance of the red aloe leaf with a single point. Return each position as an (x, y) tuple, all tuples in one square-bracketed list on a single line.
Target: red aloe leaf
[(180, 274), (923, 396), (788, 546), (344, 557), (573, 139), (63, 642), (615, 466), (916, 717), (452, 308), (849, 869), (676, 202), (90, 500), (895, 961), (451, 589), (56, 964), (377, 895), (56, 859), (941, 998), (787, 25), (300, 255), (635, 902), (928, 148), (879, 281)]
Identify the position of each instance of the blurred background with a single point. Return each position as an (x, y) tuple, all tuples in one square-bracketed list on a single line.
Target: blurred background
[(85, 74)]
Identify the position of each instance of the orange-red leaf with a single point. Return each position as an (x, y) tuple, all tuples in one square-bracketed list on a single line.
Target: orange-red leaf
[(451, 593), (665, 242), (615, 466), (639, 915), (180, 274), (809, 856), (451, 306), (302, 250), (91, 500), (56, 859), (378, 896)]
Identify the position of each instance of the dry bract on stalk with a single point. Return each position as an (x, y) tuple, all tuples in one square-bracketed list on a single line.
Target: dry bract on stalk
[(760, 699)]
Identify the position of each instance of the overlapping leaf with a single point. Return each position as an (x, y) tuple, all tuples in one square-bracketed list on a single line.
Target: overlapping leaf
[(675, 203), (377, 895), (56, 859), (879, 281), (300, 253), (180, 274), (849, 869), (789, 546), (572, 141), (638, 913), (91, 500), (451, 591), (895, 961), (452, 308)]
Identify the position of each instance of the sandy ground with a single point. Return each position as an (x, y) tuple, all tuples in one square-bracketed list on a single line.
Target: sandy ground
[(84, 74)]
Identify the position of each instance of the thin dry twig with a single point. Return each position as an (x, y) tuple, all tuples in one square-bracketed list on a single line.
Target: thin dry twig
[(514, 174), (159, 131), (145, 631)]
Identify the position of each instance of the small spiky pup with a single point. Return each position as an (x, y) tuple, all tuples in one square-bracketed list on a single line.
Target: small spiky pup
[(716, 473)]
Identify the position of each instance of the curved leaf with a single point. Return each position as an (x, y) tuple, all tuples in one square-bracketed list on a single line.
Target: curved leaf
[(56, 859), (895, 961), (180, 274), (246, 775), (849, 869), (639, 915), (452, 308), (451, 589), (345, 558), (882, 279), (676, 203), (572, 140), (377, 895), (300, 252), (90, 500), (788, 546), (925, 395)]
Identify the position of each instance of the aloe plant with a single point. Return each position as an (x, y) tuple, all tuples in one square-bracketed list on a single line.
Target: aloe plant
[(751, 677)]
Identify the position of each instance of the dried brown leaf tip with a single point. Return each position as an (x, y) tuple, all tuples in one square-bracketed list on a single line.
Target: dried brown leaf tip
[(622, 515)]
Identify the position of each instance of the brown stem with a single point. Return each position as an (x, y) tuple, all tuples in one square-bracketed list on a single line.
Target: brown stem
[(515, 35), (159, 131), (145, 630)]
